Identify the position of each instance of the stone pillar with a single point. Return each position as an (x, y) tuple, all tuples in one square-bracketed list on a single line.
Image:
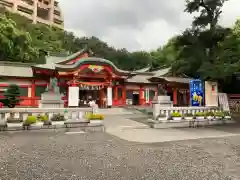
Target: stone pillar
[(158, 102)]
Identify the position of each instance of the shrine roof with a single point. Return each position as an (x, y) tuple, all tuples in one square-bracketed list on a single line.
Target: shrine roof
[(93, 60), (15, 69)]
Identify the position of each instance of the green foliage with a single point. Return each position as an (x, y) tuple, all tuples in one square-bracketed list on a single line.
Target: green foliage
[(176, 114), (91, 116), (199, 114), (219, 114), (16, 44), (227, 113), (210, 113), (188, 115), (12, 95), (30, 120), (42, 118)]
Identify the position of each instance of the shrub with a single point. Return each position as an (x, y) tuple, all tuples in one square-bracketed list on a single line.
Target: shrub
[(198, 114), (58, 117), (30, 120), (42, 118), (176, 114), (91, 116), (188, 115), (219, 114), (227, 113), (210, 113), (12, 95)]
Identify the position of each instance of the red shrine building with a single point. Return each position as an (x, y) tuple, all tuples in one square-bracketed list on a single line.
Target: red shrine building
[(82, 77)]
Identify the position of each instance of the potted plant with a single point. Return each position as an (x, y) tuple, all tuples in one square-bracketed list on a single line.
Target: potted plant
[(176, 116), (46, 121), (188, 116), (162, 117), (209, 115), (227, 115), (29, 121), (95, 118), (199, 116), (219, 115)]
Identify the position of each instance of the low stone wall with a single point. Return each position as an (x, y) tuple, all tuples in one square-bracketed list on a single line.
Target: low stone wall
[(22, 113), (167, 111)]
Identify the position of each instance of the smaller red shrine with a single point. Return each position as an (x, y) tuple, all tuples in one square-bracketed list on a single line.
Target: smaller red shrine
[(82, 77)]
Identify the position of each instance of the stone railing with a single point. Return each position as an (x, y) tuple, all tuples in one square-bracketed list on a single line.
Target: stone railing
[(22, 113), (167, 111)]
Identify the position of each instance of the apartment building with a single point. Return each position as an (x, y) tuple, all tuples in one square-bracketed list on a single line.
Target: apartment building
[(38, 11)]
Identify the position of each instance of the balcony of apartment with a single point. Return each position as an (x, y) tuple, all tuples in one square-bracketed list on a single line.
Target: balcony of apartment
[(57, 15), (7, 3), (44, 4), (43, 14), (43, 21), (26, 3), (23, 10), (58, 23)]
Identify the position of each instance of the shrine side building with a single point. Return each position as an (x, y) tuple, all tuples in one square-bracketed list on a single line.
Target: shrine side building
[(82, 76)]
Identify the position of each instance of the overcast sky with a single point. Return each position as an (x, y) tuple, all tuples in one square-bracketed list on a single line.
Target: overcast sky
[(134, 24)]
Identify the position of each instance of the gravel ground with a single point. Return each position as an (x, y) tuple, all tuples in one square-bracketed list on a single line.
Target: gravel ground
[(99, 156)]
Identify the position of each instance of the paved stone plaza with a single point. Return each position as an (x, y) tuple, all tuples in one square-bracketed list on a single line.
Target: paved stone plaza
[(60, 156)]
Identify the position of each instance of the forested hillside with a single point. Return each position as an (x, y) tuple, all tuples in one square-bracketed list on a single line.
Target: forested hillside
[(204, 50)]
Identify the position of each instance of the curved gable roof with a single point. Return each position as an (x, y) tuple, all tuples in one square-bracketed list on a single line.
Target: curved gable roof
[(92, 60)]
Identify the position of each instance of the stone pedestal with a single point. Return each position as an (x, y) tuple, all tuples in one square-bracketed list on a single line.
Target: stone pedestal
[(51, 100), (158, 102)]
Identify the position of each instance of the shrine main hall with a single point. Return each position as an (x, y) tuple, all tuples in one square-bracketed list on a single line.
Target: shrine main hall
[(83, 77)]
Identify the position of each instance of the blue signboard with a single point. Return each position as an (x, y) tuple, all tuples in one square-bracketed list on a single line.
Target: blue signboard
[(196, 92)]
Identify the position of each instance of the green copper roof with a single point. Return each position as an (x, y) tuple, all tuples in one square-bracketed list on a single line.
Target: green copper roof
[(92, 60)]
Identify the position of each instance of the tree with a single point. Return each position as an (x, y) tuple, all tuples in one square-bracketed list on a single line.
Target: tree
[(199, 44), (12, 95), (16, 44)]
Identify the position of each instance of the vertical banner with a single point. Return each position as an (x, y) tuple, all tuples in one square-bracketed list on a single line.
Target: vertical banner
[(147, 95), (196, 92), (73, 96), (109, 96)]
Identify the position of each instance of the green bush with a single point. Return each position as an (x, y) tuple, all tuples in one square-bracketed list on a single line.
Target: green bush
[(176, 114), (58, 117), (91, 116), (210, 113), (199, 114), (188, 115), (227, 113), (30, 120), (219, 114), (12, 95), (42, 118)]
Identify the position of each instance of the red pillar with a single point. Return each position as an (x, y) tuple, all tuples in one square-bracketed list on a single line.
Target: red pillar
[(124, 95), (115, 98), (175, 96), (141, 96), (33, 89)]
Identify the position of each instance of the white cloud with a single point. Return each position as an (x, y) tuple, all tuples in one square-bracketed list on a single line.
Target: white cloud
[(134, 24)]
